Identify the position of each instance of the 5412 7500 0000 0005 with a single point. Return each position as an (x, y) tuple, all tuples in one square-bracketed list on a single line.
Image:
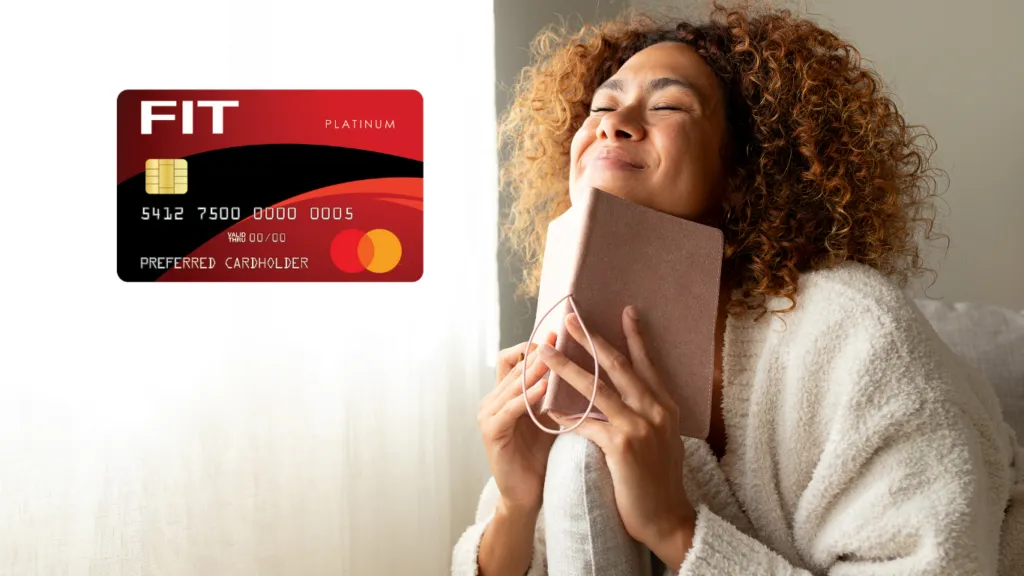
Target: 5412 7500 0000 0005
[(235, 213)]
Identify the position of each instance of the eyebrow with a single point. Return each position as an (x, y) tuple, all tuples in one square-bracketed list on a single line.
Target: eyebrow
[(653, 85)]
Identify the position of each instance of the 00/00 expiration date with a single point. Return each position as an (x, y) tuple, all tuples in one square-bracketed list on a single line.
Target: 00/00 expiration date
[(257, 237)]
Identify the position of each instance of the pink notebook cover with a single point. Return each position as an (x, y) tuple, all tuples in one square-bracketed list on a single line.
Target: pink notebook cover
[(610, 252)]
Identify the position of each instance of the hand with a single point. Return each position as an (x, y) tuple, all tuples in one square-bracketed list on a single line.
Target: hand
[(641, 440), (516, 449)]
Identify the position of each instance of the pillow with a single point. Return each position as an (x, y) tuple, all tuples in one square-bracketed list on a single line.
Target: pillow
[(991, 339), (584, 533)]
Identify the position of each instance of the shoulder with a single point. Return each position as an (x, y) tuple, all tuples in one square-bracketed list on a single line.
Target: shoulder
[(858, 339), (850, 305), (853, 336), (854, 291), (847, 317)]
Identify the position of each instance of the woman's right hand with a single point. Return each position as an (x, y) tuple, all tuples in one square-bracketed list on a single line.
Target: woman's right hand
[(516, 449)]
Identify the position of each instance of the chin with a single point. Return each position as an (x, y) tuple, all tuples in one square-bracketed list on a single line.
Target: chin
[(621, 184)]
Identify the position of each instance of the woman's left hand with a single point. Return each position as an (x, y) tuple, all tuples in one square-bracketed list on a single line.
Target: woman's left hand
[(641, 440)]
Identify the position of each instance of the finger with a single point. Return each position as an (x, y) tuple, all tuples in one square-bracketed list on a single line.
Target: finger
[(509, 357), (514, 375), (513, 385), (507, 360), (598, 432), (633, 390), (515, 372), (638, 355), (607, 400), (515, 407), (550, 339)]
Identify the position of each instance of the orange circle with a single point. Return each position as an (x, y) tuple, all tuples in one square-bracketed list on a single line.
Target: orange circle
[(354, 251), (387, 251)]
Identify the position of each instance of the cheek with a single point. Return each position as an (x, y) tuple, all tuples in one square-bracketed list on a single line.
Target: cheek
[(687, 151), (583, 138), (675, 152)]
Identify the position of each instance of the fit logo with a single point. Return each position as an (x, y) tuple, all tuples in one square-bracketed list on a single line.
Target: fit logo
[(217, 111)]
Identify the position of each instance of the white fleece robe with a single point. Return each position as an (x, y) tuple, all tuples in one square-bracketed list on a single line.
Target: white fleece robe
[(857, 443)]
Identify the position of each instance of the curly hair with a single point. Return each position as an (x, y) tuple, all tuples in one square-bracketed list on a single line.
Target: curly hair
[(822, 168)]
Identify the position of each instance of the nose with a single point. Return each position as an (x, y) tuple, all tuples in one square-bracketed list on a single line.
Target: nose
[(620, 124)]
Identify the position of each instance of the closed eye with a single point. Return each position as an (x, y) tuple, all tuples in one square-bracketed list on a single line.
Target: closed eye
[(661, 107)]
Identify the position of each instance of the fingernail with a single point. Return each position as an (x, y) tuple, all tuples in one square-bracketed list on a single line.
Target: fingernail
[(631, 311), (546, 350), (574, 320)]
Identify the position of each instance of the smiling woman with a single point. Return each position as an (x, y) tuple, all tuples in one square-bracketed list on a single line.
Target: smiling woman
[(845, 437)]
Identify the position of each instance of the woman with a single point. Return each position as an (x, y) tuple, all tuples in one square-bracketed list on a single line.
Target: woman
[(845, 439)]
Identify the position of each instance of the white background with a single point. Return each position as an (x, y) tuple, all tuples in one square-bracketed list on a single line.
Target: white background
[(236, 429)]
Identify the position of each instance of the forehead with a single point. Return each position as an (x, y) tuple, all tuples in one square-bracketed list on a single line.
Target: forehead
[(669, 60)]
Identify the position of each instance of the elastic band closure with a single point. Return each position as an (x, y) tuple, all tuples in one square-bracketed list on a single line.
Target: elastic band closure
[(593, 395)]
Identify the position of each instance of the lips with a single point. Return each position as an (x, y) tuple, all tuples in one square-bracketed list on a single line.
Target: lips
[(619, 155)]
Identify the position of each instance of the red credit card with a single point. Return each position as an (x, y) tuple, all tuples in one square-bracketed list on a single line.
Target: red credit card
[(270, 185)]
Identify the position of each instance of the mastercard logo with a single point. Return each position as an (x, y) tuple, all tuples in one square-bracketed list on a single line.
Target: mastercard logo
[(378, 251)]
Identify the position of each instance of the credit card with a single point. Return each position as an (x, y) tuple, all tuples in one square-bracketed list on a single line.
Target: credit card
[(270, 185)]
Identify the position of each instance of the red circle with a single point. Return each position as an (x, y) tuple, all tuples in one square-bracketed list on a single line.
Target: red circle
[(345, 251)]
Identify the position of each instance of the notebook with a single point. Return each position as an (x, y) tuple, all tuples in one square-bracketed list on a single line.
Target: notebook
[(608, 253)]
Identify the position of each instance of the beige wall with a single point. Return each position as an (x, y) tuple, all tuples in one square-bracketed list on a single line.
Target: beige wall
[(957, 68)]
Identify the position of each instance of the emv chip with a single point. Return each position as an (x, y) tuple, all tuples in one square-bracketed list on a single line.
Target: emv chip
[(166, 176)]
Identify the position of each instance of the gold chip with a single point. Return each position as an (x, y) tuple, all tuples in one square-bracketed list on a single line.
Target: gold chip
[(166, 176)]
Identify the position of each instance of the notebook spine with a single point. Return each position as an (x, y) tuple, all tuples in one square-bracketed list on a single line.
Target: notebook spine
[(564, 339)]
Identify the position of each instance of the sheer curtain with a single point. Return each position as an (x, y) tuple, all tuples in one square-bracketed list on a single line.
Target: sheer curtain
[(258, 429)]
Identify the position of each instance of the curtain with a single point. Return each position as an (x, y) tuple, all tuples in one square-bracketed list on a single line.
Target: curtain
[(258, 429)]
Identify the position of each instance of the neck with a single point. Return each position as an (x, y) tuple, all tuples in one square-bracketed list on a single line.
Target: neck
[(726, 288), (724, 297)]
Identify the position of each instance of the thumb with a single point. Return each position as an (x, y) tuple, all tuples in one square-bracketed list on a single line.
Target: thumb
[(594, 430)]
